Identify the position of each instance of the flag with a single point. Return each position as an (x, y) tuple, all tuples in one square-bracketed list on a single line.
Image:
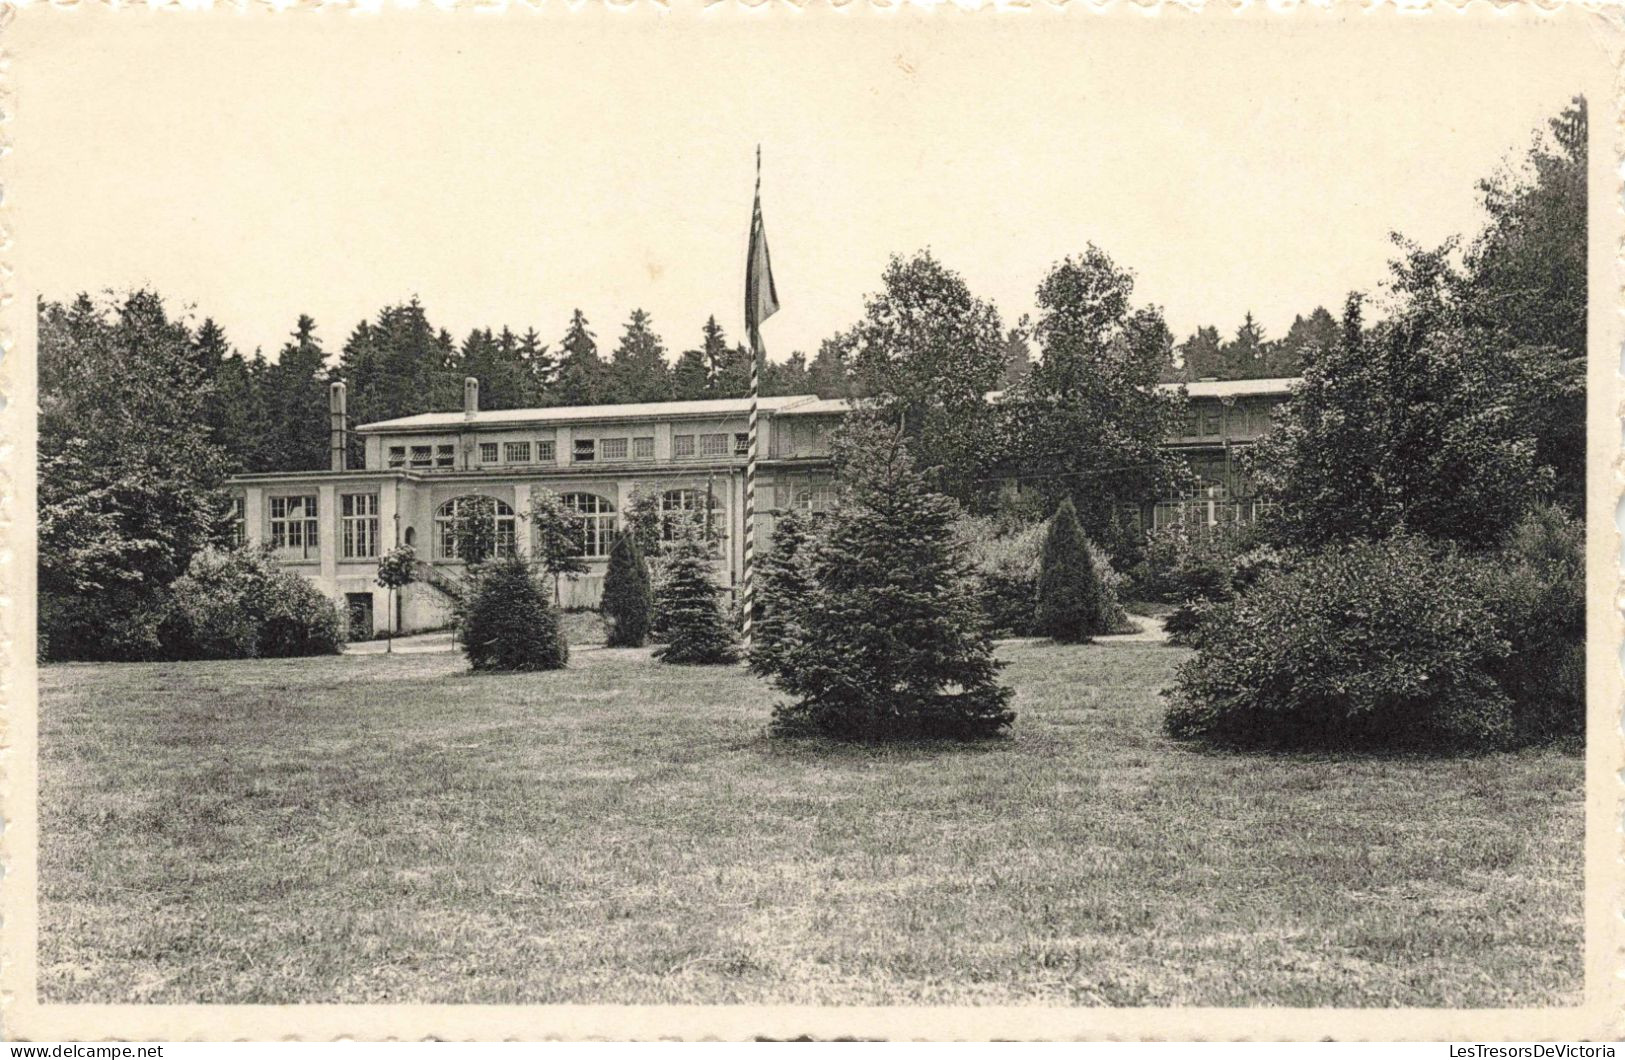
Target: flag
[(761, 297)]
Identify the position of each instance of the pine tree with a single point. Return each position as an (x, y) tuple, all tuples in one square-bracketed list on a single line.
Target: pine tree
[(783, 583), (637, 369), (581, 378), (891, 640), (697, 630), (690, 379), (1070, 597), (789, 376), (509, 625), (626, 601), (294, 396), (540, 364)]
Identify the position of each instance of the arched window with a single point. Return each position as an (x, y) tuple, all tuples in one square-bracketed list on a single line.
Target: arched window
[(597, 521), (452, 525), (815, 500), (680, 508)]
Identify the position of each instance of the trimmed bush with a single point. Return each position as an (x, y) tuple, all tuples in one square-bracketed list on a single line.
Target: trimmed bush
[(696, 627), (1373, 645), (1071, 604), (508, 622), (890, 640), (242, 605), (1005, 563), (626, 601)]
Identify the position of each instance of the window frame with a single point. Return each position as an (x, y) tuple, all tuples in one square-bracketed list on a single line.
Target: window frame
[(358, 530), (523, 450), (448, 513), (495, 451), (598, 525), (643, 448), (305, 526), (584, 445), (683, 447)]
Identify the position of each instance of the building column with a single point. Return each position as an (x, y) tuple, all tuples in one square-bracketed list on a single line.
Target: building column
[(327, 508), (254, 515)]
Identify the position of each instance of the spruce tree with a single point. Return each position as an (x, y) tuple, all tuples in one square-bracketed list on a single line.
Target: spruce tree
[(891, 640), (626, 602), (509, 625), (697, 629), (782, 585), (1070, 599)]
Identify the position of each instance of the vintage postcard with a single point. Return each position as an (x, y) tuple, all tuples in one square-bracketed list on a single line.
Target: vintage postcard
[(721, 521)]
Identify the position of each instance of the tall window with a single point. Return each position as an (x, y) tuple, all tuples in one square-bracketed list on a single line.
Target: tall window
[(239, 520), (546, 452), (293, 525), (517, 452), (445, 455), (680, 508), (358, 525), (488, 452), (597, 521), (613, 448), (742, 443), (450, 520), (682, 445), (643, 449)]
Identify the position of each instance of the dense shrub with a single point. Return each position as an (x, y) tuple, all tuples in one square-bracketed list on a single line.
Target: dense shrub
[(1183, 564), (890, 639), (1535, 587), (1005, 561), (696, 626), (1071, 601), (241, 605), (509, 623), (1375, 644), (626, 601)]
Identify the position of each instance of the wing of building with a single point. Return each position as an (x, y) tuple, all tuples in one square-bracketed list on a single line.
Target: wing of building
[(419, 471)]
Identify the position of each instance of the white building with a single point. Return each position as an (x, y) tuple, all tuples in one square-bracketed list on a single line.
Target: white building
[(332, 526)]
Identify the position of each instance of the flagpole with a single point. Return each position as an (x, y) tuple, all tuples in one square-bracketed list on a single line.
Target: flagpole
[(748, 587)]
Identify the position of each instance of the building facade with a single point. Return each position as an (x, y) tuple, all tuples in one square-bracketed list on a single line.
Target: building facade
[(420, 474)]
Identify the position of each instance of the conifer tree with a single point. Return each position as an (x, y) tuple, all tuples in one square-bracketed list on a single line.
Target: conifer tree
[(697, 629), (690, 380), (1070, 598), (626, 602), (637, 369), (509, 625), (783, 583), (891, 641), (581, 371)]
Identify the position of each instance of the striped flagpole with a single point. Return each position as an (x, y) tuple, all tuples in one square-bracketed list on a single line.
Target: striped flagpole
[(748, 594), (761, 302)]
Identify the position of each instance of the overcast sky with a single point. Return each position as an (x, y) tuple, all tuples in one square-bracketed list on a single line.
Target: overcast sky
[(506, 168)]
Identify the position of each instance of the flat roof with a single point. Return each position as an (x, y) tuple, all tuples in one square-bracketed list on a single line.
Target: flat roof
[(1223, 388), (430, 421)]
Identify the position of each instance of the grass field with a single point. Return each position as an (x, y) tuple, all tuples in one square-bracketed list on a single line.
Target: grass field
[(397, 829)]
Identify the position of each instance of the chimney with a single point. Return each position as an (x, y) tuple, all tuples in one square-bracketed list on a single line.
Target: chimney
[(337, 435), (471, 397)]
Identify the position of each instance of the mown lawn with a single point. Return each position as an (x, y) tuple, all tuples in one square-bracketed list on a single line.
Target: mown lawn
[(394, 828)]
